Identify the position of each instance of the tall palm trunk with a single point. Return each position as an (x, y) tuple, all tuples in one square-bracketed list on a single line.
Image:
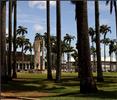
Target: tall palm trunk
[(10, 37), (22, 49), (31, 64), (49, 72), (58, 32), (3, 60), (14, 39), (104, 54), (93, 64), (110, 62), (3, 41), (0, 41), (68, 61), (99, 66), (115, 6), (87, 83)]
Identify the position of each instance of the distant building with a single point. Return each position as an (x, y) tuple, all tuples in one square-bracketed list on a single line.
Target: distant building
[(24, 62)]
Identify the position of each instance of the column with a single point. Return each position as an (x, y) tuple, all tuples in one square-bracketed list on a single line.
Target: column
[(43, 55)]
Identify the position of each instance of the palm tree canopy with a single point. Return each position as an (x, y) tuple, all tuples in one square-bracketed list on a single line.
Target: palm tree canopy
[(91, 32), (22, 30), (111, 47), (93, 50), (68, 38), (27, 46), (104, 29), (75, 55), (38, 36), (105, 41)]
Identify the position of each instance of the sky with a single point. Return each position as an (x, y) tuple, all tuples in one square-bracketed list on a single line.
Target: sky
[(32, 14)]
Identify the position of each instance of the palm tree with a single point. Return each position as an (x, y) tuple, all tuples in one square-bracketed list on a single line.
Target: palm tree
[(93, 52), (105, 41), (28, 46), (113, 3), (99, 65), (92, 34), (68, 50), (10, 37), (115, 51), (22, 31), (111, 49), (2, 74), (104, 29), (75, 56), (67, 40), (3, 41), (87, 83), (14, 39), (58, 33), (49, 72)]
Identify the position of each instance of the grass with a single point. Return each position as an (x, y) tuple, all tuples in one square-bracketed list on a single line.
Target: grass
[(30, 85)]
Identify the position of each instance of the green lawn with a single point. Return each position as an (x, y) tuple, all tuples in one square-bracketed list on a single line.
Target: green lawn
[(35, 86)]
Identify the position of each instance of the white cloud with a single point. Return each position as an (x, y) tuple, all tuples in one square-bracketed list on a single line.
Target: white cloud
[(38, 28), (40, 4)]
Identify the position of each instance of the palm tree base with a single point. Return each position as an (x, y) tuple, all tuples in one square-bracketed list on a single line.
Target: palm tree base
[(87, 85), (57, 80), (49, 78), (4, 79), (9, 78), (100, 79), (14, 75)]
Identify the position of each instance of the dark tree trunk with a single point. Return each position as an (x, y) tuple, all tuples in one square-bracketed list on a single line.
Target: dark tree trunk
[(49, 72), (0, 40), (68, 58), (58, 33), (93, 65), (87, 83), (3, 42), (115, 6), (10, 38), (14, 40), (104, 54), (110, 62), (99, 65)]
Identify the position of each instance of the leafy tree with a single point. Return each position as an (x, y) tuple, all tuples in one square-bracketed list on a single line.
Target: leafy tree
[(104, 29), (67, 39), (21, 31), (92, 34), (105, 41), (113, 4), (111, 49)]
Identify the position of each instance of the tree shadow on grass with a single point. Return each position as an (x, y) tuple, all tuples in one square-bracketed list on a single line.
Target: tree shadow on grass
[(30, 85), (41, 85), (100, 94)]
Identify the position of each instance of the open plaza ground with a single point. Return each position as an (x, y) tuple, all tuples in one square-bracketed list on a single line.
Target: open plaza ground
[(34, 86)]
